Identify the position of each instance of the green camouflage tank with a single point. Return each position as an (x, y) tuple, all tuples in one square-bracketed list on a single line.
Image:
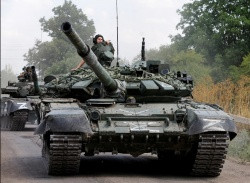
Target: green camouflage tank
[(145, 108)]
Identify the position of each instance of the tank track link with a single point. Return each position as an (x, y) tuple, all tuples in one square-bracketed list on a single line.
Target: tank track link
[(63, 154), (211, 154), (18, 121)]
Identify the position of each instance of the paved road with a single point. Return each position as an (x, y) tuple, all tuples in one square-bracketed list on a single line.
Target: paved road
[(21, 162)]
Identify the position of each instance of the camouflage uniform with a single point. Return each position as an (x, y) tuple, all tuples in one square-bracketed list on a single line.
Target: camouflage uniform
[(104, 53)]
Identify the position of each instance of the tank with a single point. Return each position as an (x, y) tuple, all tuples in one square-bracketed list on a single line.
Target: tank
[(17, 101), (134, 110)]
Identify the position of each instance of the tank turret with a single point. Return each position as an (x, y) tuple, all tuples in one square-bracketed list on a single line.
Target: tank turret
[(89, 57)]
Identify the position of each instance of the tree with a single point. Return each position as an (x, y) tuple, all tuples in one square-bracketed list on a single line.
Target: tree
[(245, 66), (243, 69), (164, 53), (184, 60), (192, 63), (7, 74), (68, 12), (56, 53), (44, 54), (65, 65), (216, 29)]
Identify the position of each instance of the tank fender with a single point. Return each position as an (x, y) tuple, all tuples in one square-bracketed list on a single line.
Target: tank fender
[(200, 121), (11, 106), (65, 120)]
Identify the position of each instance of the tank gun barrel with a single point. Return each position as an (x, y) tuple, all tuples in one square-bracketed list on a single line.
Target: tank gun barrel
[(35, 80), (89, 57)]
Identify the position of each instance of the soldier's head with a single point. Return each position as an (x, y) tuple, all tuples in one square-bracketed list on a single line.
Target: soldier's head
[(28, 69), (98, 39)]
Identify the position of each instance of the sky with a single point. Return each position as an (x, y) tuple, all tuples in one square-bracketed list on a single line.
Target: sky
[(153, 19)]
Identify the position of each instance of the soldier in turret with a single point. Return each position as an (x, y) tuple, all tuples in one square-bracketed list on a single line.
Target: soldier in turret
[(104, 51), (25, 75)]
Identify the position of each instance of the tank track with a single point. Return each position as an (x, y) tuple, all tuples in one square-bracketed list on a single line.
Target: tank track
[(63, 154), (18, 120), (211, 154)]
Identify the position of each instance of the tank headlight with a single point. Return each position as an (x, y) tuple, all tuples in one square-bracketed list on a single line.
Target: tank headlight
[(95, 115)]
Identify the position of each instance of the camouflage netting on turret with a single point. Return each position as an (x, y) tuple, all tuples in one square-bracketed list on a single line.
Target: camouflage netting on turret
[(64, 83), (169, 78)]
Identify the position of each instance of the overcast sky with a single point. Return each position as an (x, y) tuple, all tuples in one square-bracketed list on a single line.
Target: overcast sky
[(153, 19)]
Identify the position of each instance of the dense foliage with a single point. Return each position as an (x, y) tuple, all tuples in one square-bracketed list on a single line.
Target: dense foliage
[(219, 30), (243, 69)]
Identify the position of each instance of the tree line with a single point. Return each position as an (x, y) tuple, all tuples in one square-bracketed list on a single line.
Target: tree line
[(214, 41)]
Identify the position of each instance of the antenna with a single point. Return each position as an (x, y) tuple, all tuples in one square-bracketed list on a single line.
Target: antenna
[(117, 52), (143, 50)]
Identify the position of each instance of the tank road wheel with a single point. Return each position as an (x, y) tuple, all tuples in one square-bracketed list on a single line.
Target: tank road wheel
[(19, 120), (62, 153), (210, 155)]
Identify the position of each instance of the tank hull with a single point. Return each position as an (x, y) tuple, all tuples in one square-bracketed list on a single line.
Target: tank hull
[(140, 128)]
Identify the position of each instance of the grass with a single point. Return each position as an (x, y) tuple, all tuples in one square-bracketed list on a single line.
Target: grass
[(239, 147), (233, 97)]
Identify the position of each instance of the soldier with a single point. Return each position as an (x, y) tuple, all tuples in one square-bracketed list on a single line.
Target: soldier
[(104, 51), (21, 77), (25, 75)]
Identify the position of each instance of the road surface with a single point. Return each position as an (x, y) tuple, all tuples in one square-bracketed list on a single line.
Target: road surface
[(21, 162)]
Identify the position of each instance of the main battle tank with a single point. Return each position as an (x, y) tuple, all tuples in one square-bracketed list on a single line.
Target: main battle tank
[(17, 101), (143, 109)]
